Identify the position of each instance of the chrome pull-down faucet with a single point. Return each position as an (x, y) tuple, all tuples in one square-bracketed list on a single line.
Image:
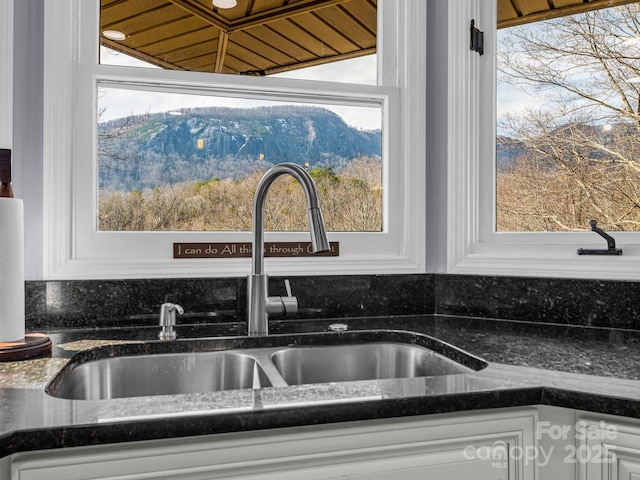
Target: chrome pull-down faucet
[(259, 304)]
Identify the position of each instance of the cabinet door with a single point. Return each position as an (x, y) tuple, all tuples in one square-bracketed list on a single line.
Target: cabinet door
[(448, 465), (607, 450), (435, 462), (444, 447), (438, 465), (629, 468)]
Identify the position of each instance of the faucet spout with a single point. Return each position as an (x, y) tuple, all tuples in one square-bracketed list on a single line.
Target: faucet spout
[(257, 290)]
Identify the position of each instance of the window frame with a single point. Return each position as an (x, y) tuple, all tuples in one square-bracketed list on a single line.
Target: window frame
[(6, 73), (72, 72), (474, 245)]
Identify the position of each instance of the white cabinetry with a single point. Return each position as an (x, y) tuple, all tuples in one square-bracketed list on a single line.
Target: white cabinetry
[(436, 447), (608, 449)]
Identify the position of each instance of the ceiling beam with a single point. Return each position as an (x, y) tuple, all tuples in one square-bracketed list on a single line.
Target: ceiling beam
[(321, 61), (209, 15), (205, 14), (223, 42), (561, 12), (117, 46), (279, 13)]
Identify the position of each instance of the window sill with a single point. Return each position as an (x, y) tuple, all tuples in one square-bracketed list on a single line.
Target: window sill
[(549, 260), (193, 268)]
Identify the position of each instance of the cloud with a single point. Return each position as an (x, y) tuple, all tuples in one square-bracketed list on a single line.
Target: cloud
[(122, 102)]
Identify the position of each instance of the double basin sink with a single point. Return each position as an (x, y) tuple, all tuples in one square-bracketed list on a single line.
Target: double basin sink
[(208, 365)]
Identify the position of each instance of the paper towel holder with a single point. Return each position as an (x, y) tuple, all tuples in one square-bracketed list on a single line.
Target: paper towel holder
[(34, 345)]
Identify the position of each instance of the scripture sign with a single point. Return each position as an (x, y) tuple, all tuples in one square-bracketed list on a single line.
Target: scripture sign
[(241, 249)]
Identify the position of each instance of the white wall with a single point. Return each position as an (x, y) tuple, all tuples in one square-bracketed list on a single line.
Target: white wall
[(27, 126), (21, 77), (437, 105), (6, 78)]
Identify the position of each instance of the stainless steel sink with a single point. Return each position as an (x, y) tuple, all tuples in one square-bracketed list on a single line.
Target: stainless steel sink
[(165, 374), (372, 361), (155, 368)]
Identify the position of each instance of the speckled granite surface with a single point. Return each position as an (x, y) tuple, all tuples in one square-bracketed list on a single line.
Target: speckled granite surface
[(110, 303), (529, 364), (546, 300)]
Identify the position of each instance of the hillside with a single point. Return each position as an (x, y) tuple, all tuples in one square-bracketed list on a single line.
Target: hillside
[(199, 144)]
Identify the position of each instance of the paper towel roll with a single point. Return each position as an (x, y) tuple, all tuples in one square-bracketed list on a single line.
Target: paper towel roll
[(11, 270)]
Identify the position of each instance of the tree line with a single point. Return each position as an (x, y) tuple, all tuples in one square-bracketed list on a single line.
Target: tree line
[(350, 201)]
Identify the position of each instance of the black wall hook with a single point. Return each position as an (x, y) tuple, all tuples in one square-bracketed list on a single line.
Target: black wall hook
[(611, 243)]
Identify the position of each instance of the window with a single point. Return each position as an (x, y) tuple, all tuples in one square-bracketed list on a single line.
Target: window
[(567, 127), (194, 164), (477, 246), (80, 248), (169, 161)]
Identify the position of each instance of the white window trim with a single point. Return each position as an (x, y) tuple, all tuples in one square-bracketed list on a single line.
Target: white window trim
[(6, 73), (474, 247), (63, 144)]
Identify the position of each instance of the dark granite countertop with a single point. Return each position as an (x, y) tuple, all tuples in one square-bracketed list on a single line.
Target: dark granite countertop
[(593, 369)]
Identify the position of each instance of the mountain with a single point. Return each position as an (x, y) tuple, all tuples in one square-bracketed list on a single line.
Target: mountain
[(572, 141), (507, 151), (203, 143)]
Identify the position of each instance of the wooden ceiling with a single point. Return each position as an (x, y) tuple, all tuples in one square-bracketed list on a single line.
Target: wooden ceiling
[(257, 37), (262, 37)]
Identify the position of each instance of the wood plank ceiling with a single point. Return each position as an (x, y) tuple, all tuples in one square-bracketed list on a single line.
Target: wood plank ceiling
[(518, 12), (257, 37), (262, 37)]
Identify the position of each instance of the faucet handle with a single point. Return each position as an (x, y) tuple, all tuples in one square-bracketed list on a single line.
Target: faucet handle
[(282, 306), (290, 302)]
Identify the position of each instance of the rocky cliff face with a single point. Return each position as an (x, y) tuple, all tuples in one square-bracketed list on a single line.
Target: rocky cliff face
[(198, 144)]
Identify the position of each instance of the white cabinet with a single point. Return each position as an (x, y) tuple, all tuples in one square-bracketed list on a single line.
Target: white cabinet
[(486, 446), (5, 467), (608, 449)]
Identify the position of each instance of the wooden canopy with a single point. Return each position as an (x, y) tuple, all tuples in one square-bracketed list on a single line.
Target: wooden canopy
[(262, 37), (256, 37), (518, 12)]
